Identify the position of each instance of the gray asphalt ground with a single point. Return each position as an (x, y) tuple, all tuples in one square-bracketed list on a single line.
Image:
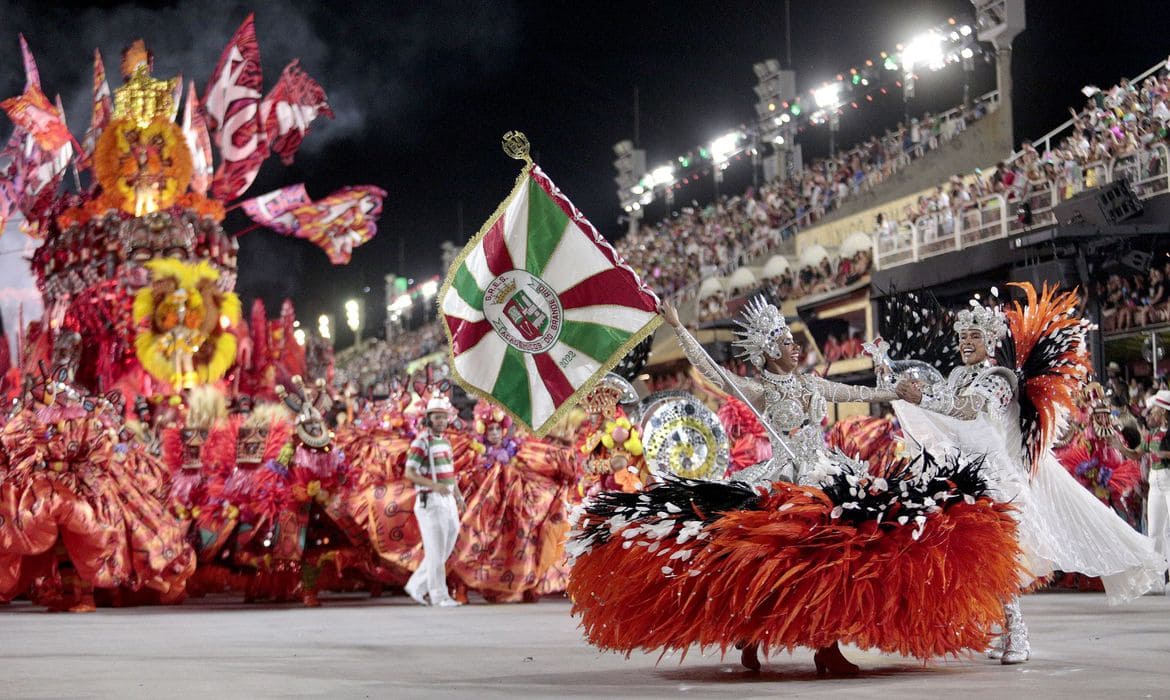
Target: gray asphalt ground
[(355, 647)]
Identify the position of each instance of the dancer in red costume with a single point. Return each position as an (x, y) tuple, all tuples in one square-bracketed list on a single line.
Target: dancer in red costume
[(515, 523), (73, 514), (1093, 453), (318, 474), (186, 452), (250, 455), (609, 446)]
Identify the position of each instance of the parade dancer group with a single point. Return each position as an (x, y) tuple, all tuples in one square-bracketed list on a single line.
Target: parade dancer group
[(759, 562)]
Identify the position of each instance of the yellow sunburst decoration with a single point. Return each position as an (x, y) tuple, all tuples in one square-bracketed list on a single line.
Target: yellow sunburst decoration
[(184, 321), (142, 168)]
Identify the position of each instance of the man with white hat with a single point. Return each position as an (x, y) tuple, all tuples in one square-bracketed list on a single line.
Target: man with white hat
[(430, 467), (1158, 502)]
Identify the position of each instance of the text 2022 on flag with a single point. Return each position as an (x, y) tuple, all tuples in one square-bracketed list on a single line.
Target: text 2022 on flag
[(538, 306)]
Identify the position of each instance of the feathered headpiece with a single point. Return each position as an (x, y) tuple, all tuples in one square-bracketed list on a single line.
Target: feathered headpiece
[(989, 321), (760, 331)]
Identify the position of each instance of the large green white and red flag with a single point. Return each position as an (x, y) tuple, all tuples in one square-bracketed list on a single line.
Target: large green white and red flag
[(539, 306)]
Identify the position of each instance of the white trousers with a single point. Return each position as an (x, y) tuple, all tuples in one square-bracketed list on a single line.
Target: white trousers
[(438, 521), (1158, 510)]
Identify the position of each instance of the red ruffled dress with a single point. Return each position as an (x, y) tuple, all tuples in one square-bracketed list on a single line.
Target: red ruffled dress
[(512, 533), (66, 481)]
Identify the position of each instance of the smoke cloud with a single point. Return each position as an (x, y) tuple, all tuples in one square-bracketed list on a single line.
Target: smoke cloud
[(384, 70)]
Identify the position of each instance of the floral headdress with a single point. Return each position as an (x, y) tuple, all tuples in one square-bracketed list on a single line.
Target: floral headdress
[(989, 321), (489, 414), (760, 331)]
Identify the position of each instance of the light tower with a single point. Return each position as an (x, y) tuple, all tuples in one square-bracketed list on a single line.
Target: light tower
[(353, 319), (999, 22), (631, 166), (776, 87)]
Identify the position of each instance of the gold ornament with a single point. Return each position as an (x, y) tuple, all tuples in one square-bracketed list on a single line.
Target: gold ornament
[(143, 97), (516, 146)]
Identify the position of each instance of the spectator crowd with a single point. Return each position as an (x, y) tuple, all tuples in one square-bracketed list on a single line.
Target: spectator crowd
[(1118, 133)]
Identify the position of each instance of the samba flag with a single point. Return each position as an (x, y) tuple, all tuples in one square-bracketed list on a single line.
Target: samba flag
[(274, 209), (290, 108), (198, 142), (32, 76), (539, 306), (33, 113), (103, 108), (232, 101), (337, 223)]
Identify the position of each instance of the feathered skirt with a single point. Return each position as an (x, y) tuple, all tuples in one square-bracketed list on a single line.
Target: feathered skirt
[(917, 560)]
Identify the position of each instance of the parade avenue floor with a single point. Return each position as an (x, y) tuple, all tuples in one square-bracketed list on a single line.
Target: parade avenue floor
[(355, 647)]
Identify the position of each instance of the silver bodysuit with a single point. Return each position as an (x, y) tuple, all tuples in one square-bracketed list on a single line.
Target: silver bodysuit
[(794, 405), (972, 390)]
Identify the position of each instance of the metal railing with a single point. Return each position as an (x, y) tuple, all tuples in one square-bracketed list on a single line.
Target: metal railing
[(994, 217), (1046, 139)]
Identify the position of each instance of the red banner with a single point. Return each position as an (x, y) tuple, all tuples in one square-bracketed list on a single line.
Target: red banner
[(289, 110), (232, 101)]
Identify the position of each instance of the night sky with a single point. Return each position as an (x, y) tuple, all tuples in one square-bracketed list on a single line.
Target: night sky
[(423, 91)]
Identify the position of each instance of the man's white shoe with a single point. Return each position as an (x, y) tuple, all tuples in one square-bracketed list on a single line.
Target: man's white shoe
[(449, 603), (419, 598)]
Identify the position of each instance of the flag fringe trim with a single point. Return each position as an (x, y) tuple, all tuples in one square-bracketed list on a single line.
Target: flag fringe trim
[(587, 386)]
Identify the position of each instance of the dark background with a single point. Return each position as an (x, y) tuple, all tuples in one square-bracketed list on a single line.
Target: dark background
[(423, 91)]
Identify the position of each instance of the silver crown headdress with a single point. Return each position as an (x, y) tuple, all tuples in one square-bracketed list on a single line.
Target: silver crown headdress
[(760, 331), (989, 321)]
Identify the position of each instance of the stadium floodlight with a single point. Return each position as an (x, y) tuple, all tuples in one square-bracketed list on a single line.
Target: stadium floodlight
[(646, 198), (429, 289), (828, 97), (637, 189), (723, 147), (965, 30), (402, 303), (299, 336), (323, 327), (353, 317), (662, 175), (967, 53), (924, 50), (766, 69)]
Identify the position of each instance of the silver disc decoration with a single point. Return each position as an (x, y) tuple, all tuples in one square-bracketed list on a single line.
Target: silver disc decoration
[(682, 437)]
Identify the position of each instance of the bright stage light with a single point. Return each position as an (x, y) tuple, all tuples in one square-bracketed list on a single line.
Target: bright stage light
[(924, 50), (323, 327), (829, 96), (723, 147), (299, 336), (662, 175), (429, 288)]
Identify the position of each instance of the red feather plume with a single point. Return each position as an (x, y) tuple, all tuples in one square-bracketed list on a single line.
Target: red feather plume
[(1048, 353)]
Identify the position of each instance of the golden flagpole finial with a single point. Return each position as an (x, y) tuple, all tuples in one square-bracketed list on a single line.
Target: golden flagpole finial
[(516, 146)]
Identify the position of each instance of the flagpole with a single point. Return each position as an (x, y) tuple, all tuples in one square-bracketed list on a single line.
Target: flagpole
[(726, 377)]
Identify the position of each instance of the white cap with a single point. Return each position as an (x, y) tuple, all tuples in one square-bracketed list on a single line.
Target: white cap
[(439, 404), (1160, 399)]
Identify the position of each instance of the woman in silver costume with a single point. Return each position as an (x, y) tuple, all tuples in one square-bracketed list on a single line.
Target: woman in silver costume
[(793, 404), (1061, 524)]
